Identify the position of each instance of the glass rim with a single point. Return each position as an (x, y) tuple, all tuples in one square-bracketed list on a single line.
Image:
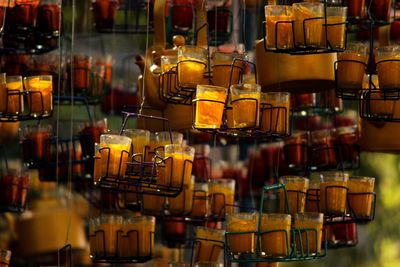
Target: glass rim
[(246, 87), (316, 4), (362, 178), (221, 231), (136, 130), (41, 77), (215, 87), (276, 215), (125, 138), (221, 181), (294, 178), (334, 175), (140, 218), (180, 148), (310, 215), (192, 47)]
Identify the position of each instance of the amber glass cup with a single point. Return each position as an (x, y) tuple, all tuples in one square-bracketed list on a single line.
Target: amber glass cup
[(361, 196), (311, 239), (245, 105), (225, 70), (40, 94), (275, 112), (308, 23), (336, 27), (296, 189), (241, 242), (333, 192), (279, 26), (388, 66), (351, 66), (276, 241), (192, 62), (210, 244), (209, 106)]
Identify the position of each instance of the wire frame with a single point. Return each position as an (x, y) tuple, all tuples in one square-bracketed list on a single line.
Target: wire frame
[(296, 251), (352, 213), (17, 113), (128, 240), (376, 105), (307, 48), (217, 248)]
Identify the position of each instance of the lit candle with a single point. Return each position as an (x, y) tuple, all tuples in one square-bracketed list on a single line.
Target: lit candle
[(275, 241), (222, 192), (15, 100), (311, 33), (276, 112), (138, 237), (210, 244), (222, 68), (312, 238), (238, 224), (296, 188), (191, 65), (333, 192), (178, 164), (335, 33), (40, 97), (361, 196), (209, 113), (114, 151), (279, 26), (245, 105)]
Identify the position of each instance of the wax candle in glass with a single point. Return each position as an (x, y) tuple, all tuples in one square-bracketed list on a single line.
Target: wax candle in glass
[(296, 149), (82, 67), (360, 196), (296, 189), (311, 239), (183, 203), (48, 18), (107, 235), (114, 152), (168, 64), (323, 148), (40, 94), (312, 201), (245, 100), (222, 192), (178, 164), (14, 97), (222, 72), (333, 192), (200, 200), (192, 62), (357, 8), (242, 227), (105, 12), (275, 112), (140, 139), (209, 113), (309, 18), (137, 239), (279, 26), (388, 66), (275, 241), (336, 27), (351, 66), (209, 244), (347, 143)]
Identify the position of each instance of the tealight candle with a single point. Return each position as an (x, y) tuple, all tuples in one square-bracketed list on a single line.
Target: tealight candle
[(40, 97)]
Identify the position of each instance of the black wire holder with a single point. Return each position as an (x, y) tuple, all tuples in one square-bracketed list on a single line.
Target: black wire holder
[(141, 176), (307, 48), (342, 235), (349, 216), (9, 115), (218, 247), (28, 39), (387, 106), (130, 12), (102, 257), (296, 251)]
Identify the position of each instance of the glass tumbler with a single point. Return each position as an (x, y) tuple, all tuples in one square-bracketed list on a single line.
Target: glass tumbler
[(336, 27), (311, 239), (241, 227), (114, 153), (351, 66), (210, 244), (333, 192), (360, 195), (245, 99), (275, 234), (140, 139), (276, 112), (13, 97), (40, 94), (388, 66), (209, 106), (192, 62), (296, 189), (279, 26), (178, 164), (222, 192), (309, 18), (222, 72)]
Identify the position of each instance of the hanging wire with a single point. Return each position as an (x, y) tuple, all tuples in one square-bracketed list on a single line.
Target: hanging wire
[(145, 61), (69, 182)]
